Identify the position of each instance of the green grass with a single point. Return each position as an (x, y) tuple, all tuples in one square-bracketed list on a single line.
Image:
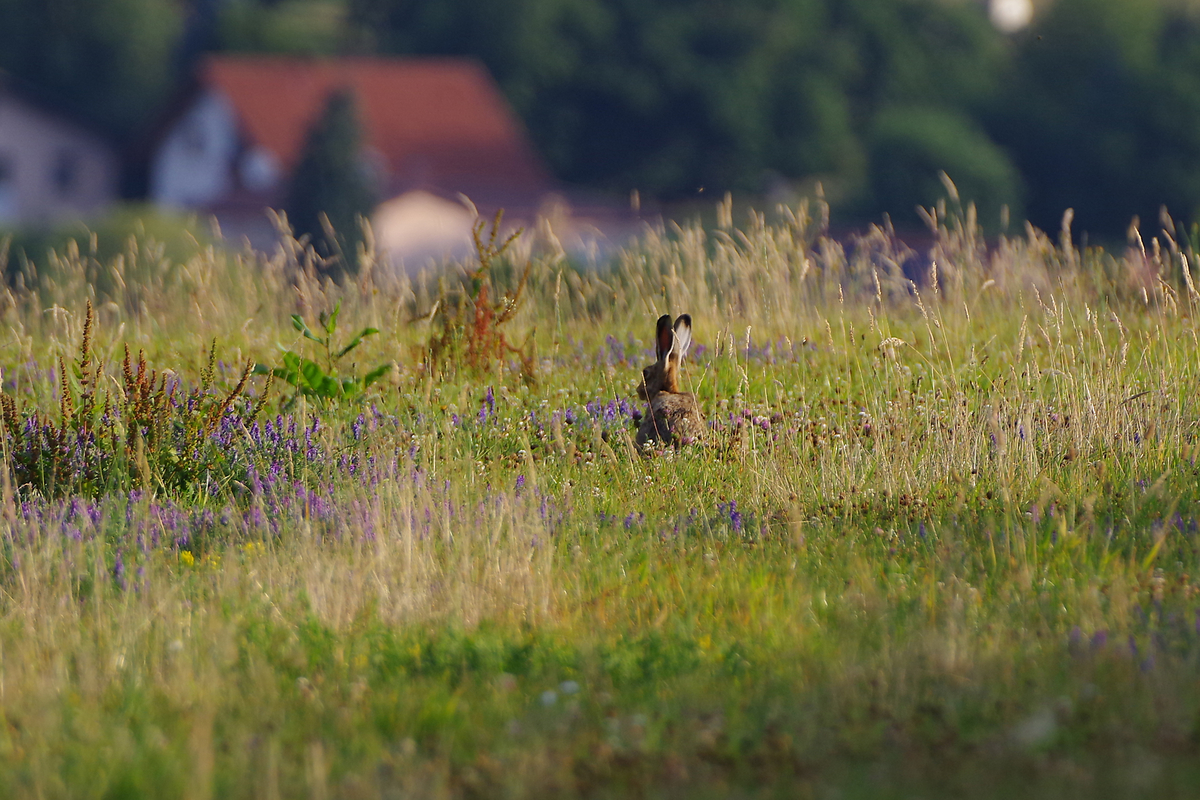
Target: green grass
[(943, 542)]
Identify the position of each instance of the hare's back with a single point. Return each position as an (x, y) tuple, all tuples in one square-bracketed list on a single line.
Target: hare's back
[(675, 419)]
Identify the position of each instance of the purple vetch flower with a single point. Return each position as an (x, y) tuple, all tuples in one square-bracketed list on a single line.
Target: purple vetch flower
[(735, 516), (256, 485), (616, 350), (520, 484), (119, 569)]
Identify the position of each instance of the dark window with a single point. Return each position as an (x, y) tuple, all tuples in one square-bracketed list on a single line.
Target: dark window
[(65, 174)]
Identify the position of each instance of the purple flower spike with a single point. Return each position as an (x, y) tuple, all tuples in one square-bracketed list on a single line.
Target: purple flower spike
[(119, 570)]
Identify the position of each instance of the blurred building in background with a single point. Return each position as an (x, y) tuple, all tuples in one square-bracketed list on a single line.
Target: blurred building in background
[(51, 167), (434, 130)]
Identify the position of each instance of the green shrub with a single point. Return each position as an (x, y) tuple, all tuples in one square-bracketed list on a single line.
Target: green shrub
[(910, 147)]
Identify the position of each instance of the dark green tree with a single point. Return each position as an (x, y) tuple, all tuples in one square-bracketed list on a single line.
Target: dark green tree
[(331, 191), (911, 146), (675, 95), (1102, 113), (108, 62)]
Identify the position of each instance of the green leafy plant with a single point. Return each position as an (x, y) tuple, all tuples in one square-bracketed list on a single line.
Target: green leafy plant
[(321, 381)]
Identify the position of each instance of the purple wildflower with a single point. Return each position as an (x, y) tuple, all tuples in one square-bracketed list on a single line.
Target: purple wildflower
[(119, 569)]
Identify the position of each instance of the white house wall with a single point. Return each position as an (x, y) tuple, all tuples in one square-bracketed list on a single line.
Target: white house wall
[(193, 167), (50, 170)]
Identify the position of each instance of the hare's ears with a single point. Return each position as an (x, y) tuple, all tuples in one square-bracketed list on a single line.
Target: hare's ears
[(663, 338), (668, 340), (683, 334)]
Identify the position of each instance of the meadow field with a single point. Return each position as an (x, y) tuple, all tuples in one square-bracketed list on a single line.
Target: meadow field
[(941, 541)]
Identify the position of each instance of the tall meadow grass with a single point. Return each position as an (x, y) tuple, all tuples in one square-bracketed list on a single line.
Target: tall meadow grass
[(943, 538)]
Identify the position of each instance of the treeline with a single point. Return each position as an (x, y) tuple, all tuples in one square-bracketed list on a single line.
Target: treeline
[(1095, 106)]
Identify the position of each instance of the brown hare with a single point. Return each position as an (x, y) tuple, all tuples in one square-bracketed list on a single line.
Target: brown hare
[(674, 417)]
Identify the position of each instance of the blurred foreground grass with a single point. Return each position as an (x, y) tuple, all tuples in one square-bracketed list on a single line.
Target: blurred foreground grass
[(944, 541)]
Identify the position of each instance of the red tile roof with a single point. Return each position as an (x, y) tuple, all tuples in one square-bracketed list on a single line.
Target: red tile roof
[(436, 122)]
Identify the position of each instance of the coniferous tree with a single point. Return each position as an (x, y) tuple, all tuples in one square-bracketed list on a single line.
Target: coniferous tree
[(331, 181)]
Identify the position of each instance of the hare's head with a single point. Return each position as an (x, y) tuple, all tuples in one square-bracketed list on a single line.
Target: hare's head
[(671, 343)]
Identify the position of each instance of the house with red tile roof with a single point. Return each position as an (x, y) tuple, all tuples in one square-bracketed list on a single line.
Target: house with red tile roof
[(433, 129)]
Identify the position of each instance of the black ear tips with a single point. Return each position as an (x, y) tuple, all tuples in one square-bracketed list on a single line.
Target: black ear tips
[(662, 336)]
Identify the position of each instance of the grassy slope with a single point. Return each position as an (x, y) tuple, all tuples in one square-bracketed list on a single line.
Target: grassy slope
[(944, 541)]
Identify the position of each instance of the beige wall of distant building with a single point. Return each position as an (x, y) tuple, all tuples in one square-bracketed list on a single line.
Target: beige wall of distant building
[(50, 169)]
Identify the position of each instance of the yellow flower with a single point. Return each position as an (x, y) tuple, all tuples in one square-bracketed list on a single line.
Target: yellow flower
[(186, 558)]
